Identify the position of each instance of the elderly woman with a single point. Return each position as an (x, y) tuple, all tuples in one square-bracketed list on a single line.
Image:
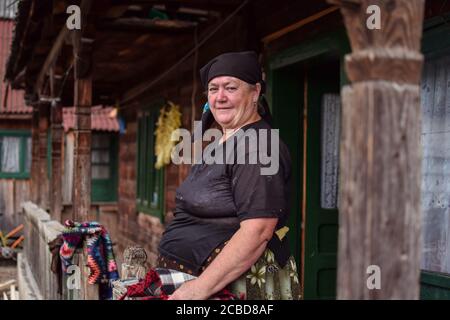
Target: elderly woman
[(229, 227)]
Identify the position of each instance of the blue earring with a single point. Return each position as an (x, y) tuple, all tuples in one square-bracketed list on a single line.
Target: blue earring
[(206, 107)]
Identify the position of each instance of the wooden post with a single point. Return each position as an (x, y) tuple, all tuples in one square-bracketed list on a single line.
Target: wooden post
[(56, 177), (82, 49), (380, 164), (43, 182), (35, 156), (81, 197)]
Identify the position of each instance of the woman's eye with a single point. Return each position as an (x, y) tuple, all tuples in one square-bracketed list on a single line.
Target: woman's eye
[(212, 89), (231, 89)]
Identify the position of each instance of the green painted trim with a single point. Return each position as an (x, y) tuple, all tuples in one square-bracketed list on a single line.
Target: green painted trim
[(7, 175), (434, 286), (159, 213), (437, 20), (105, 190), (24, 135), (148, 178), (156, 104), (436, 41), (15, 133), (336, 42)]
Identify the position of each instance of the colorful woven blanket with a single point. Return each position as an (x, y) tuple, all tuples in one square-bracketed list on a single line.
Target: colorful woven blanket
[(100, 254)]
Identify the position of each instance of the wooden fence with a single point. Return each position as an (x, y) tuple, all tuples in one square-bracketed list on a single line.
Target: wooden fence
[(35, 278)]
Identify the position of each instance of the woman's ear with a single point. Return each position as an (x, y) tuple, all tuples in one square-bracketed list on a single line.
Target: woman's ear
[(258, 92)]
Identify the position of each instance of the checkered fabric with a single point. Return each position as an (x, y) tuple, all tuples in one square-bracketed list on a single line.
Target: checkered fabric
[(171, 280), (160, 283)]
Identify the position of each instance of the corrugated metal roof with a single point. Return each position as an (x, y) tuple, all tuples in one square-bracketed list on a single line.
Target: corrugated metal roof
[(8, 8), (100, 119), (15, 102)]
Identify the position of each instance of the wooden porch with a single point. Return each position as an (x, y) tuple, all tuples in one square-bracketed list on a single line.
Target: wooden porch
[(125, 55)]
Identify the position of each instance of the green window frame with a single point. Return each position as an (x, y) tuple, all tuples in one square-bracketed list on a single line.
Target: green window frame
[(102, 190), (150, 181), (24, 156), (105, 189)]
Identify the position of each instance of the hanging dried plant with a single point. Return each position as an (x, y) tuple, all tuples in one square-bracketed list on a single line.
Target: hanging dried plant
[(168, 121)]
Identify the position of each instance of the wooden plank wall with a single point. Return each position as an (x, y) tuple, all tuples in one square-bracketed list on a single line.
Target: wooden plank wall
[(67, 168), (12, 193)]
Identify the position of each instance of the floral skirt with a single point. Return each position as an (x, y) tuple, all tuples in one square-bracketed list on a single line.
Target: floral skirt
[(266, 280)]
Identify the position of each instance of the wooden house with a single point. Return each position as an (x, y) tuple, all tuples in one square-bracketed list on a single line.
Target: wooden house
[(15, 135), (365, 113)]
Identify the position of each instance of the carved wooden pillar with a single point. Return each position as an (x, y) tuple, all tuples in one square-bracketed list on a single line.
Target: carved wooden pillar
[(380, 163)]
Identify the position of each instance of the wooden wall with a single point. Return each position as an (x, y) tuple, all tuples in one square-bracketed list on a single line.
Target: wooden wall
[(13, 191), (67, 167)]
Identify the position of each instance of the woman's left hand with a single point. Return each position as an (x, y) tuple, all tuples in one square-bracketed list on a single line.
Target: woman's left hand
[(191, 290)]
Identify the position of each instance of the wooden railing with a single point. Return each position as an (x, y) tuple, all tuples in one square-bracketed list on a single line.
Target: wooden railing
[(35, 278)]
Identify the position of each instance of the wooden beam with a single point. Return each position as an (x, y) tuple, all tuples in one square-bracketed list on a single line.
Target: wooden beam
[(43, 161), (380, 155), (56, 176), (221, 6), (34, 188), (148, 25), (16, 116), (278, 34), (51, 58)]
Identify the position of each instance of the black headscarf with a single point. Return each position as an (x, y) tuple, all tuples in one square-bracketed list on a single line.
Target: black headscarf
[(242, 65)]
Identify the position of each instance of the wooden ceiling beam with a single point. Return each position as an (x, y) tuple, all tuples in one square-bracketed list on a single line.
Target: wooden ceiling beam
[(51, 57), (138, 24)]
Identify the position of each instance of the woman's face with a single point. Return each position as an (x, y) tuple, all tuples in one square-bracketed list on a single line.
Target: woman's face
[(232, 101)]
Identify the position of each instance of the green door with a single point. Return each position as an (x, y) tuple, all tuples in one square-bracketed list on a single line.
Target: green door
[(287, 116), (321, 218), (315, 246), (298, 80)]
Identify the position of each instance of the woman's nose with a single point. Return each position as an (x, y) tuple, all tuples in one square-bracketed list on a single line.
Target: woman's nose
[(221, 94)]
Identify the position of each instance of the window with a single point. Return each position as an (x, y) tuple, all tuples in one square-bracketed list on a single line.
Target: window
[(15, 154), (104, 167), (150, 188), (330, 126), (435, 100)]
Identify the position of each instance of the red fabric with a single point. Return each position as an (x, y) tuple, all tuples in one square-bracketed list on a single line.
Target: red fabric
[(138, 289)]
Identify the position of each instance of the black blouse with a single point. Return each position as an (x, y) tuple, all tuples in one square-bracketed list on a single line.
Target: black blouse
[(215, 198)]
